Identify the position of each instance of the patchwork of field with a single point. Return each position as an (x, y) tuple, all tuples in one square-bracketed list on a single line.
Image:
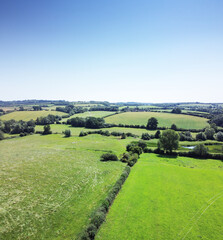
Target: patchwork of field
[(98, 114), (28, 115), (164, 119), (75, 131), (168, 198), (49, 185)]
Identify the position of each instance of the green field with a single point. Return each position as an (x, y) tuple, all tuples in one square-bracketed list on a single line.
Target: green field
[(98, 114), (49, 185), (168, 198), (164, 119), (28, 115), (75, 131)]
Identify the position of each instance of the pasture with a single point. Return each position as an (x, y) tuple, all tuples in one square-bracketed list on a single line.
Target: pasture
[(28, 115), (168, 198), (75, 131), (164, 119), (50, 185), (98, 114)]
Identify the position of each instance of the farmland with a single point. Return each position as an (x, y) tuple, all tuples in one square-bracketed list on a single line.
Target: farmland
[(75, 131), (28, 115), (168, 198), (164, 119), (98, 114), (51, 184)]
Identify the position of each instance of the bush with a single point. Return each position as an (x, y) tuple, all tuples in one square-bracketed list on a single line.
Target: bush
[(47, 130), (174, 127), (219, 136), (200, 150), (67, 133), (108, 157), (145, 136), (98, 218), (201, 137), (157, 134), (82, 134)]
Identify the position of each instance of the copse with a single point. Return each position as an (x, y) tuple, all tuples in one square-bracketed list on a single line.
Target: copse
[(169, 140), (152, 124)]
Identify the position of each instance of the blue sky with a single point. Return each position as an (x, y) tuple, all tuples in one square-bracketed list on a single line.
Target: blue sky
[(113, 50)]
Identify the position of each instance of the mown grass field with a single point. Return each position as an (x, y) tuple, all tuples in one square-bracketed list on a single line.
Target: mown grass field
[(168, 198), (28, 115), (49, 185), (164, 119)]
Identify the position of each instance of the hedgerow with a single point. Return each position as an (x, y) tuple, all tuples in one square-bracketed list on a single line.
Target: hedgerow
[(99, 215)]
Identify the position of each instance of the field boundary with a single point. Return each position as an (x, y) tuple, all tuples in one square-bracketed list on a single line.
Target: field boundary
[(99, 215)]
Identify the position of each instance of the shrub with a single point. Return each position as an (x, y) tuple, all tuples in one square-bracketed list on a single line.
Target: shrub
[(108, 157), (91, 230), (98, 218), (219, 136), (67, 133), (152, 124), (145, 136), (201, 136), (174, 127), (82, 134), (47, 130), (200, 150), (157, 134)]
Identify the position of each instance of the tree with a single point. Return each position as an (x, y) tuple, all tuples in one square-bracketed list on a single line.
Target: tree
[(152, 124), (201, 136), (219, 136), (176, 110), (47, 130), (146, 136), (169, 140), (157, 134), (209, 133), (67, 133), (200, 150), (174, 127)]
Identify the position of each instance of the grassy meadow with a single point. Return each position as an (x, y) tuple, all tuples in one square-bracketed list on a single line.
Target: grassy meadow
[(75, 131), (98, 114), (168, 198), (28, 115), (50, 185), (164, 119)]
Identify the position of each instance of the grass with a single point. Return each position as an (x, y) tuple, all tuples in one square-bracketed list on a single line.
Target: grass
[(164, 119), (28, 115), (98, 114), (49, 185), (75, 131), (168, 198)]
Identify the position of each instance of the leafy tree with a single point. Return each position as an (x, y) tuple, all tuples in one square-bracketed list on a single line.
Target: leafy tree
[(185, 136), (174, 127), (201, 136), (123, 136), (47, 130), (146, 136), (169, 140), (157, 134), (200, 150), (67, 133), (209, 133), (176, 110), (152, 124), (219, 136)]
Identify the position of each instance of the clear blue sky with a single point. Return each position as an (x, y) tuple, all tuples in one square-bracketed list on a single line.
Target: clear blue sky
[(114, 50)]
